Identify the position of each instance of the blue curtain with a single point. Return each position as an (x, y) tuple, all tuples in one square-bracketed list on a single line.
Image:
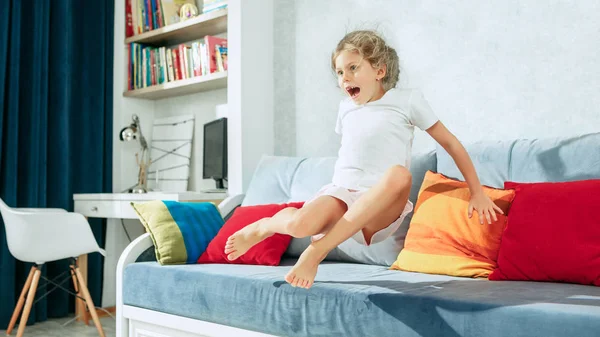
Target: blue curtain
[(56, 64)]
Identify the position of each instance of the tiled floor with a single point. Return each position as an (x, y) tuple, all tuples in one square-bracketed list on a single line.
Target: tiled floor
[(55, 328)]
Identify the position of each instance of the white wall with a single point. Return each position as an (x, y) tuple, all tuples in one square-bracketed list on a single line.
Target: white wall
[(490, 69), (284, 80), (250, 88), (202, 106)]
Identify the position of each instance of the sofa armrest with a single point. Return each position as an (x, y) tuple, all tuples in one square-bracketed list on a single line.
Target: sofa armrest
[(129, 256), (138, 246), (229, 204)]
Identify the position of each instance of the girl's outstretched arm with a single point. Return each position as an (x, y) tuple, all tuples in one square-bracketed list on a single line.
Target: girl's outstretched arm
[(479, 201)]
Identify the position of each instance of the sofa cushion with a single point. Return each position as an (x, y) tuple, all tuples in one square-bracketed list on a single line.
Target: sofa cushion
[(180, 231), (267, 252), (556, 159), (310, 176), (443, 240), (271, 181), (362, 300), (553, 233), (490, 158), (275, 181)]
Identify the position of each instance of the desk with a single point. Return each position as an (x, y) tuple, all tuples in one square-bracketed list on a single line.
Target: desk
[(118, 206)]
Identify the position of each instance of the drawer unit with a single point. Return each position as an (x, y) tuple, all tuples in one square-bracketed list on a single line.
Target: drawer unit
[(98, 208)]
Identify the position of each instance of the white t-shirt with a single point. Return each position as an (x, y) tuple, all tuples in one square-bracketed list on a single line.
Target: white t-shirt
[(378, 135)]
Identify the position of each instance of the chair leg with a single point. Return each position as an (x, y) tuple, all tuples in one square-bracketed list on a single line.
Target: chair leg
[(88, 299), (19, 307), (30, 297), (74, 278), (80, 311)]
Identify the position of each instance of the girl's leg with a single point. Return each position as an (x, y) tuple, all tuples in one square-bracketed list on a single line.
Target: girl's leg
[(374, 210), (309, 220)]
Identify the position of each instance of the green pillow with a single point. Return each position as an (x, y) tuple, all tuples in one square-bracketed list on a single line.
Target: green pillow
[(181, 231)]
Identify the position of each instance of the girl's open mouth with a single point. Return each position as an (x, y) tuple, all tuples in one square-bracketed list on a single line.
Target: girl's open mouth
[(353, 91)]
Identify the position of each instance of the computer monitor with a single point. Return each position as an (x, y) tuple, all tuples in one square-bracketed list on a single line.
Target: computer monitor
[(215, 151)]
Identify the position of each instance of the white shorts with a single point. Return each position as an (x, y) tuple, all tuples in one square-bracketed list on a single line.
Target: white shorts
[(349, 197)]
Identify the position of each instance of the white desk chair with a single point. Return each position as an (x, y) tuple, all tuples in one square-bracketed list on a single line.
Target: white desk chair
[(39, 235)]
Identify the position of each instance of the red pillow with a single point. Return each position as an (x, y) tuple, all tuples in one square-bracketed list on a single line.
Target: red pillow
[(552, 233), (267, 252)]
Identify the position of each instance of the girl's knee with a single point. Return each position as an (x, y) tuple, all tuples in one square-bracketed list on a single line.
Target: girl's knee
[(288, 212), (297, 225), (398, 178)]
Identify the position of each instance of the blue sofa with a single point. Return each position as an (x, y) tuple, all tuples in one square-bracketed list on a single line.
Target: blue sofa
[(354, 299)]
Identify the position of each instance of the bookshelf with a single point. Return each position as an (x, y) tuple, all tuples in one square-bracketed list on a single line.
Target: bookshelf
[(212, 23)]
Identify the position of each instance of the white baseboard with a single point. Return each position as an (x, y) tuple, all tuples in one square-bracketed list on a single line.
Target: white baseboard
[(149, 323)]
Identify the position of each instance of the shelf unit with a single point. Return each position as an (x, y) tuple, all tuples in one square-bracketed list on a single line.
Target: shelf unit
[(212, 23)]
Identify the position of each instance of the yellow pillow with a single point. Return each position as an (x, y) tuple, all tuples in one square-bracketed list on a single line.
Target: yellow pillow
[(443, 240)]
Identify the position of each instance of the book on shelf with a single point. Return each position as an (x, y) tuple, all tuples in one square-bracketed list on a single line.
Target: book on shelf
[(145, 15), (213, 44), (149, 65), (128, 19)]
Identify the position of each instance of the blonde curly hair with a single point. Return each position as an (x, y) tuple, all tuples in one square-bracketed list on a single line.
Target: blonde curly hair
[(371, 46)]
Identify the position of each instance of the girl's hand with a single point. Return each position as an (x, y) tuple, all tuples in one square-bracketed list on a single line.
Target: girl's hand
[(484, 207)]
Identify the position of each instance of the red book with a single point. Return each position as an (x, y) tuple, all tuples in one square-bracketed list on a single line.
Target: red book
[(159, 14), (153, 66), (176, 68), (211, 45), (128, 19), (150, 14), (182, 65)]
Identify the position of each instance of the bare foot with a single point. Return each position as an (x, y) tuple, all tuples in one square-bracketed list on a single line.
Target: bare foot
[(304, 271), (244, 239)]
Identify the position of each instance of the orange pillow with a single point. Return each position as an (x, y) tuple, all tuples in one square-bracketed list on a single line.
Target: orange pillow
[(443, 240)]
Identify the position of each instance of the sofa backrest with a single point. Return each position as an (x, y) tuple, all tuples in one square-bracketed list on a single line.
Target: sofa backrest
[(280, 179), (530, 160), (556, 160), (287, 179)]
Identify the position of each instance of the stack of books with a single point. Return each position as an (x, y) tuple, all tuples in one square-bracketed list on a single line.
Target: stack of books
[(213, 5), (148, 66)]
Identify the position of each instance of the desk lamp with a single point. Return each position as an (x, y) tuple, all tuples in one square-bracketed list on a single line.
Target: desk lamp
[(133, 132)]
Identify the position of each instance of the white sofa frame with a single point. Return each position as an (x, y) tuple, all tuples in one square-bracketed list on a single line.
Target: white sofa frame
[(137, 322)]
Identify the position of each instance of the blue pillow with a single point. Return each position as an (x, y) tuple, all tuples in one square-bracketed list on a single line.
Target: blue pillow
[(181, 231)]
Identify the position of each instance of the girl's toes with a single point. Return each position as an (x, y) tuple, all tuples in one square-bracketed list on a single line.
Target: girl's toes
[(232, 256), (289, 278)]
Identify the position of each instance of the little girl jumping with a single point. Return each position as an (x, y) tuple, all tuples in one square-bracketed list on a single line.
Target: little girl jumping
[(368, 197)]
